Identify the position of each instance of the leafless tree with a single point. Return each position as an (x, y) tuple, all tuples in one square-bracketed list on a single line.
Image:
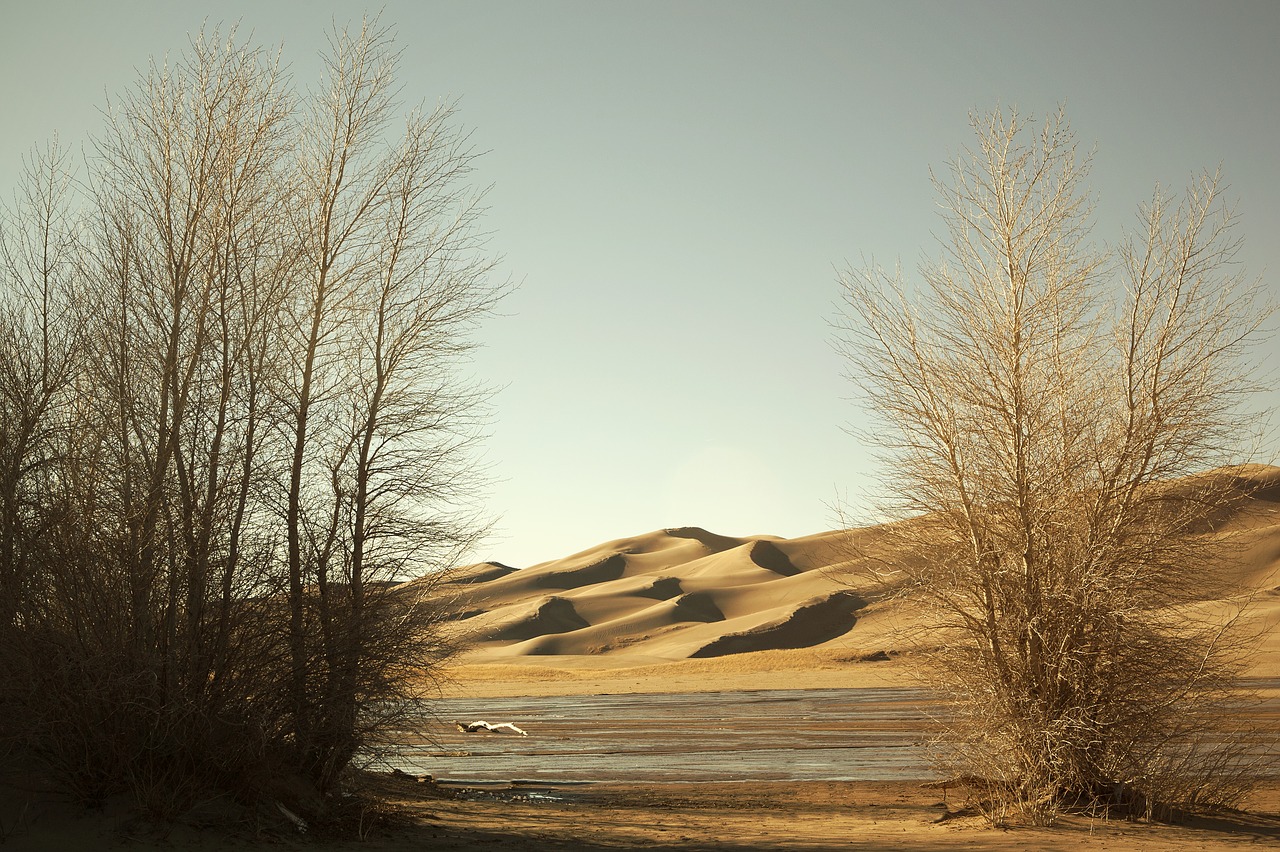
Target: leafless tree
[(392, 274), (233, 383), (1057, 427), (39, 328)]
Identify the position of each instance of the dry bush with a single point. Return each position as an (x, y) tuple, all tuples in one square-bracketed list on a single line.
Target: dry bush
[(1045, 410)]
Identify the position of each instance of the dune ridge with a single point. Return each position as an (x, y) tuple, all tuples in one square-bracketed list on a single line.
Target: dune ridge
[(685, 593)]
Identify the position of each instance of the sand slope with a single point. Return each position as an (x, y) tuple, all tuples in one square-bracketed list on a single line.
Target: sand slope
[(686, 593), (669, 594)]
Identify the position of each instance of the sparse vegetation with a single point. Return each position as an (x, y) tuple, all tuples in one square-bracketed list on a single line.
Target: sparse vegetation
[(1046, 413), (230, 419)]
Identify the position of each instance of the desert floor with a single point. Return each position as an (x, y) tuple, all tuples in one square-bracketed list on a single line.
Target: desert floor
[(768, 816), (399, 812)]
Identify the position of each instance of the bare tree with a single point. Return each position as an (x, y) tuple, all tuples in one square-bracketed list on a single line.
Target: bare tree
[(392, 276), (233, 421), (38, 361), (186, 176), (147, 603), (1055, 425)]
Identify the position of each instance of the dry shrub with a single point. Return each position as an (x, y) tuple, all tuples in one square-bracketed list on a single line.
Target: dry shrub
[(1044, 431)]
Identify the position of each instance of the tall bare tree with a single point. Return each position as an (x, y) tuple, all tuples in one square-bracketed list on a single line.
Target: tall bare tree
[(39, 358), (232, 379), (1055, 425), (189, 172), (392, 276)]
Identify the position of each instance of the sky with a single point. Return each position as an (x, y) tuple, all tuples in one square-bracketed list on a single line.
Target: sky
[(675, 186)]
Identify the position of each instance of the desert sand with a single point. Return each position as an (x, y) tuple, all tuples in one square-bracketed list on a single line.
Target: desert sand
[(685, 610), (694, 610)]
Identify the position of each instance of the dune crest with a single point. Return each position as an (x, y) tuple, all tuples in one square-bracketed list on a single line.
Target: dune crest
[(685, 593), (551, 616), (601, 571), (811, 623)]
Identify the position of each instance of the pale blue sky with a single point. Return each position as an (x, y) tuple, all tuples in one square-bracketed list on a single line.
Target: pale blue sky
[(674, 184)]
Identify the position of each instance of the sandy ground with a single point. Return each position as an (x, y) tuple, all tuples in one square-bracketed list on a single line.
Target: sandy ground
[(768, 816), (805, 668), (401, 813), (785, 816), (621, 674)]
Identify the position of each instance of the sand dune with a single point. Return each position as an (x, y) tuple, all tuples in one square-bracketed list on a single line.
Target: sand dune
[(610, 568), (811, 623), (667, 594), (688, 593), (482, 573), (554, 615)]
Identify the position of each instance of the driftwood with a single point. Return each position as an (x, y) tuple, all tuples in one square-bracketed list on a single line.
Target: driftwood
[(298, 822), (473, 727)]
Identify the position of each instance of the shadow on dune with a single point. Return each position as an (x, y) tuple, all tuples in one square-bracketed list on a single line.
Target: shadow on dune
[(767, 555), (811, 624), (662, 589), (555, 615), (609, 568), (697, 606)]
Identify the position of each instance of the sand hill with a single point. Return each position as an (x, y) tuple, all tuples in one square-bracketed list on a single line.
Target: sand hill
[(689, 594), (671, 594)]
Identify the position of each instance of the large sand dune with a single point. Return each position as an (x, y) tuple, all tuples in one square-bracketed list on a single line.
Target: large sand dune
[(670, 594), (691, 594)]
